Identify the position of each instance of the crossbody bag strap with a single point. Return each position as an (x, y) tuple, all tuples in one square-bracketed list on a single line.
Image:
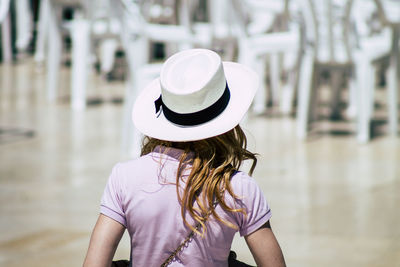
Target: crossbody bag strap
[(184, 242), (180, 247)]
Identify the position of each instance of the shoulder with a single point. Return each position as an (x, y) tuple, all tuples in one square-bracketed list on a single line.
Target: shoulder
[(145, 169), (124, 169), (242, 179), (245, 186), (240, 176), (134, 165)]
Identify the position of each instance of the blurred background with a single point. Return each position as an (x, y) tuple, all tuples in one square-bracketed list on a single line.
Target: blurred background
[(324, 120)]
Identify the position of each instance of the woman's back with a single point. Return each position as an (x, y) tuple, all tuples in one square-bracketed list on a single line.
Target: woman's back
[(141, 195)]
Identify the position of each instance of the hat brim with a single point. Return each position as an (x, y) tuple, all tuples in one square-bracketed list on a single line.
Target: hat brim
[(243, 84)]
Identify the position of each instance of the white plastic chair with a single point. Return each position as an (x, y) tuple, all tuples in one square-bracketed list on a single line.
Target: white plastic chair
[(372, 48), (24, 25), (95, 25), (328, 48), (56, 26), (389, 11), (259, 40), (86, 26), (41, 31), (5, 22)]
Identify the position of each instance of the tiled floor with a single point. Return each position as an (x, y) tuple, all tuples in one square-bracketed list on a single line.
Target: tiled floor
[(334, 202)]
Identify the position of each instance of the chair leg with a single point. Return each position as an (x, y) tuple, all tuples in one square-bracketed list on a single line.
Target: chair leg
[(131, 137), (351, 111), (108, 48), (314, 96), (40, 46), (248, 58), (24, 24), (54, 57), (275, 78), (365, 87), (336, 93), (393, 76), (136, 55), (288, 93), (80, 60), (306, 78), (6, 39), (259, 104)]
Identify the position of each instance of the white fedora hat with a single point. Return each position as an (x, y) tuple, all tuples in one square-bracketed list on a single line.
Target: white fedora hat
[(196, 97)]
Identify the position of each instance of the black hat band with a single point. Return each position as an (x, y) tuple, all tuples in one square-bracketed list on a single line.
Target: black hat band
[(198, 117)]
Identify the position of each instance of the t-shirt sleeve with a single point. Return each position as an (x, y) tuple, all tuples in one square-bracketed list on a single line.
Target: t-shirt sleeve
[(256, 206), (111, 201)]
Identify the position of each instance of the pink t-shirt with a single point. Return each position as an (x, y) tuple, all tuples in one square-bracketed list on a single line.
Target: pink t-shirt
[(141, 195)]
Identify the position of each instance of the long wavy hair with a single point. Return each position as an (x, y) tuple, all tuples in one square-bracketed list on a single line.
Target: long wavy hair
[(214, 162)]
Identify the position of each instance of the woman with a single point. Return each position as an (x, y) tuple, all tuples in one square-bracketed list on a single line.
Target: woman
[(184, 199)]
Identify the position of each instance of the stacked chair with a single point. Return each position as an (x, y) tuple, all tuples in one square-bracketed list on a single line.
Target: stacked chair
[(270, 31), (91, 22), (370, 54), (341, 40), (327, 50)]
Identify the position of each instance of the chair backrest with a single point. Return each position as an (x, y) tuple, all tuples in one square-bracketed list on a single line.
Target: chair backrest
[(389, 10), (4, 7), (369, 23), (364, 12), (329, 29), (130, 16), (131, 13), (220, 18), (257, 17)]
